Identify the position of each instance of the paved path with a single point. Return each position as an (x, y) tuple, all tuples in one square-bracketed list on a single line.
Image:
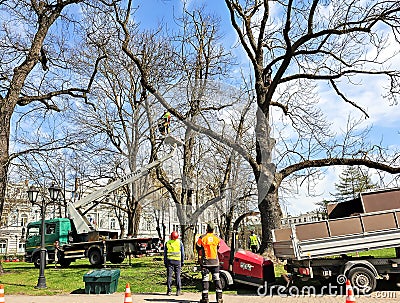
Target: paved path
[(376, 297)]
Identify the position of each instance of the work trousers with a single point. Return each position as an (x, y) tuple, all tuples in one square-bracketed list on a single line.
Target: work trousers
[(205, 273), (254, 248), (174, 267)]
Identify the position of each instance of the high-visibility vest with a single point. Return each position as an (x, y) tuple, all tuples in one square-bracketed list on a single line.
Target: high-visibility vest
[(174, 250), (209, 243), (253, 240), (167, 116)]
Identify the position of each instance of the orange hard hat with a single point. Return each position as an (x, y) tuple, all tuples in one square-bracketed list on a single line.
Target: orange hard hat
[(174, 235)]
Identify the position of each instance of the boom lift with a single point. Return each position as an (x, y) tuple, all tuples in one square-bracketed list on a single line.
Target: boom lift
[(79, 239)]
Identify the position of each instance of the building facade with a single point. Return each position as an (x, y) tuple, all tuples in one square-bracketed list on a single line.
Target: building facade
[(311, 216), (18, 212)]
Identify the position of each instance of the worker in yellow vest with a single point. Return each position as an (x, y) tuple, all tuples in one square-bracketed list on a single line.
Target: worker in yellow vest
[(174, 256), (207, 247), (164, 122), (254, 242)]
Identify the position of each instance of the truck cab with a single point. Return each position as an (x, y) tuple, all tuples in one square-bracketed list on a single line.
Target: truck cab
[(57, 229)]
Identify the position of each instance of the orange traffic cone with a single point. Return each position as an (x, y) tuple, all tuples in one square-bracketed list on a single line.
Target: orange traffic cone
[(2, 300), (128, 295), (349, 293)]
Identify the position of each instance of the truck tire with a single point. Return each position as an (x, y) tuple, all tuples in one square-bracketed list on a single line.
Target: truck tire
[(36, 260), (116, 258), (95, 257), (362, 279), (224, 281)]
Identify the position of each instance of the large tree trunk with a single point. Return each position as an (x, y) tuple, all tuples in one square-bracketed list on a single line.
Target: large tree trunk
[(268, 203), (136, 220), (271, 213), (188, 239), (5, 116)]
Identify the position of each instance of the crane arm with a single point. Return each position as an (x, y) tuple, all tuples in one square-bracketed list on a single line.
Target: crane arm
[(129, 178), (81, 223)]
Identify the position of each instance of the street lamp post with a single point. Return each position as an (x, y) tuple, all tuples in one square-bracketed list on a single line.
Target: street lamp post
[(32, 196)]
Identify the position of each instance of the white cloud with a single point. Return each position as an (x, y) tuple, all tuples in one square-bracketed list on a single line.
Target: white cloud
[(305, 200)]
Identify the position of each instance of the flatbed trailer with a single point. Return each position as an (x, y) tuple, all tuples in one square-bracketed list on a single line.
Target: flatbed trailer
[(321, 249), (97, 246), (114, 250)]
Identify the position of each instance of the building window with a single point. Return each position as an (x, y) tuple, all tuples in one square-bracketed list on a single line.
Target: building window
[(148, 225), (112, 223), (24, 219), (174, 215), (3, 246), (175, 227), (21, 247)]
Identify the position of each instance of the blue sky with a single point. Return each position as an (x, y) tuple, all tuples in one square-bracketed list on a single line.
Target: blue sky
[(384, 117)]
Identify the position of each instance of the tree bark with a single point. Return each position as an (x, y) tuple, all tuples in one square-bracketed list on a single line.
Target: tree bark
[(5, 117), (271, 213)]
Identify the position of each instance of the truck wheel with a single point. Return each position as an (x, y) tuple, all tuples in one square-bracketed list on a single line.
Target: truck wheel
[(224, 281), (95, 257), (362, 279), (36, 260), (116, 258)]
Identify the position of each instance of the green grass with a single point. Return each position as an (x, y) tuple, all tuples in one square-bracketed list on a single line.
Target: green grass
[(377, 253), (145, 275)]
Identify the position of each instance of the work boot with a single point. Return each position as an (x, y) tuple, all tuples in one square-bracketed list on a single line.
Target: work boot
[(169, 293), (204, 301), (218, 296), (178, 292)]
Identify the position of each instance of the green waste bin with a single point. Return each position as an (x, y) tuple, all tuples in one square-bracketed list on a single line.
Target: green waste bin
[(101, 281)]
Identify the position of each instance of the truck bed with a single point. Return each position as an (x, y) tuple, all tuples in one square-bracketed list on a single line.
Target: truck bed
[(365, 231)]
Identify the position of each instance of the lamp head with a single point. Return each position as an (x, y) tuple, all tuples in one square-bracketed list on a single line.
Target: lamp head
[(54, 192), (32, 194)]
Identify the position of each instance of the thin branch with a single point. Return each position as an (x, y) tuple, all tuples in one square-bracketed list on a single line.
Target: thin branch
[(339, 93)]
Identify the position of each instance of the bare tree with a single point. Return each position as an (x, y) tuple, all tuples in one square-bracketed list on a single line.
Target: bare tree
[(198, 58), (312, 42), (289, 57), (32, 35)]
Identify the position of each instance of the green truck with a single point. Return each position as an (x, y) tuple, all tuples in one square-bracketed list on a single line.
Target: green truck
[(97, 246), (79, 239)]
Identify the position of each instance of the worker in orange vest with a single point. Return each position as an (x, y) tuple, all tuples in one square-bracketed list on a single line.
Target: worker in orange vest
[(207, 247)]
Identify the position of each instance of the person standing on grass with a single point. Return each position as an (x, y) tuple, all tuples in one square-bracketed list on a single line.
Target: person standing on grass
[(254, 242), (56, 253), (174, 256)]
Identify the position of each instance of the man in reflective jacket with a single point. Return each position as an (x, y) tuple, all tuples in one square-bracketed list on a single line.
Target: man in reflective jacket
[(164, 122), (254, 242), (207, 247), (174, 256)]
